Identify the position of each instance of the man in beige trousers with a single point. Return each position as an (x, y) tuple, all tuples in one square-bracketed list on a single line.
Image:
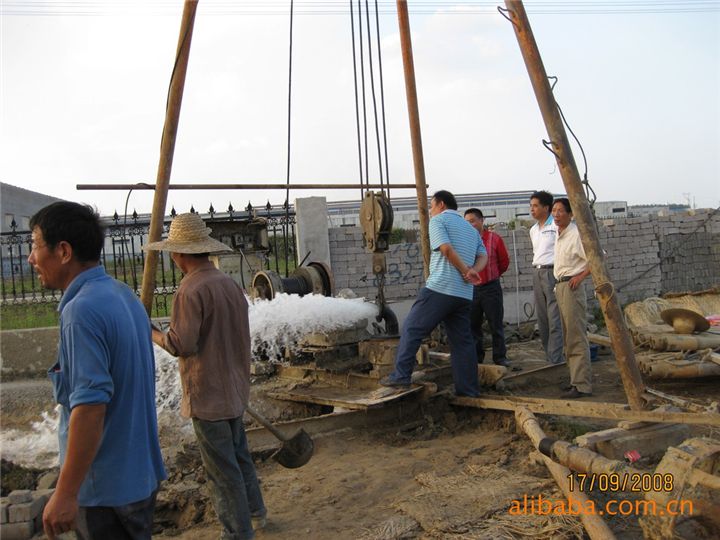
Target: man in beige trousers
[(571, 268)]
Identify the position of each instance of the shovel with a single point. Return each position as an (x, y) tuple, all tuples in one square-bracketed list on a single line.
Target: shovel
[(295, 451)]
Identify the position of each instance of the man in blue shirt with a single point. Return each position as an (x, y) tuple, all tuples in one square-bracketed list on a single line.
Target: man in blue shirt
[(457, 256), (104, 380)]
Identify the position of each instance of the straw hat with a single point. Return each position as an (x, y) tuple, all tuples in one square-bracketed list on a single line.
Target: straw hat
[(685, 321), (188, 234)]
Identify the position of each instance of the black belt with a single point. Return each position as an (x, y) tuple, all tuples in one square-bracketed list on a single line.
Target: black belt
[(564, 279), (542, 266)]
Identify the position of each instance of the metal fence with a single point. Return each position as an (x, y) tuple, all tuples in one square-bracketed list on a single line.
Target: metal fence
[(123, 257)]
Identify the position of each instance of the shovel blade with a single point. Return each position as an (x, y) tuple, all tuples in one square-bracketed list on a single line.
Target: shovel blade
[(296, 451)]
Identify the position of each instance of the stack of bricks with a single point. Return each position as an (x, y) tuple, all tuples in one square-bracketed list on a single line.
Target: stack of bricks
[(21, 513), (632, 249), (646, 256)]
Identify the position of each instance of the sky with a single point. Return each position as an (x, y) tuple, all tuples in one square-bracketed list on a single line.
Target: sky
[(84, 86)]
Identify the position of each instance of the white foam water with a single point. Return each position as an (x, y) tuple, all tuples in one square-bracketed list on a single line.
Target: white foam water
[(275, 325)]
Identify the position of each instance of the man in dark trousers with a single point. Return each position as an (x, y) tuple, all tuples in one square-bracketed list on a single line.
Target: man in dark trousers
[(104, 381), (210, 333), (457, 257), (487, 293)]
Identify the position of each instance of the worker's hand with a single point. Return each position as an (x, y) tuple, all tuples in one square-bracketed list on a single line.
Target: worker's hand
[(157, 336), (471, 276), (60, 515), (575, 281)]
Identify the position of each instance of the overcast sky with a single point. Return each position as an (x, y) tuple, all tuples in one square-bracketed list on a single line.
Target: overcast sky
[(84, 86)]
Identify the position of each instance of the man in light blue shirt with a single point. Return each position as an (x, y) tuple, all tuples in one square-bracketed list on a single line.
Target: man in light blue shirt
[(104, 381), (457, 256)]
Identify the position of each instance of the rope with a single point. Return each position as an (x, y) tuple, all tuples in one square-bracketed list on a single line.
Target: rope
[(286, 226), (357, 104), (362, 80), (382, 98), (372, 92)]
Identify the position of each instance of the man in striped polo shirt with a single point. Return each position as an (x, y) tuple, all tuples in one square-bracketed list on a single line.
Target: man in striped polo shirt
[(458, 255)]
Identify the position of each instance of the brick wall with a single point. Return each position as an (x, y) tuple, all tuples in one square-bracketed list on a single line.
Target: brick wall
[(646, 256)]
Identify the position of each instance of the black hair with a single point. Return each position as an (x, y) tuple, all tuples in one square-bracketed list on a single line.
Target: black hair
[(447, 198), (77, 224), (200, 255), (545, 198), (476, 211), (565, 202)]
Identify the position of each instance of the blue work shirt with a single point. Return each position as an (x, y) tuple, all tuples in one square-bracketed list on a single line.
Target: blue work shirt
[(449, 227), (106, 357)]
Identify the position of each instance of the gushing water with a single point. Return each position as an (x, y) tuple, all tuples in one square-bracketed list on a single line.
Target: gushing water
[(275, 325)]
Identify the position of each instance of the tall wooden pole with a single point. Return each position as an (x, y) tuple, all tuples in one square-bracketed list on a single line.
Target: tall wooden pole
[(167, 149), (415, 136), (621, 341)]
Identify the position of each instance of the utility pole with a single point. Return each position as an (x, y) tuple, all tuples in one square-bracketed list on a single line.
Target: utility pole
[(167, 149), (621, 341), (415, 136)]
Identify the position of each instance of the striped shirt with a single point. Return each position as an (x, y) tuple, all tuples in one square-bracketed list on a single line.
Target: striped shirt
[(450, 227)]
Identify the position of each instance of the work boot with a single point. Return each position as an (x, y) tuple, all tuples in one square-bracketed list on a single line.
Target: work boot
[(259, 520), (502, 362), (574, 393)]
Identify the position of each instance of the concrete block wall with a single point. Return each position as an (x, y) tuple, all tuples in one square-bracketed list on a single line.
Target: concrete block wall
[(646, 256)]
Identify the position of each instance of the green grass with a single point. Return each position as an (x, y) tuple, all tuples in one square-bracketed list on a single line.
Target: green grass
[(18, 316)]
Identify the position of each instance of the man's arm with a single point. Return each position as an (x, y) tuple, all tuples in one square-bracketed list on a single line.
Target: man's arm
[(451, 255), (84, 435), (502, 255), (575, 281)]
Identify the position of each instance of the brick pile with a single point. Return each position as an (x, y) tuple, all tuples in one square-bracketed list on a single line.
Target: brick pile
[(21, 513)]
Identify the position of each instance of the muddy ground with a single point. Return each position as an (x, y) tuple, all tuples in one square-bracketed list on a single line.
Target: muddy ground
[(452, 473)]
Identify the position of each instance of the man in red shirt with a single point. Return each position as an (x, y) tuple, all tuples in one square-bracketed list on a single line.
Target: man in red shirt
[(487, 293)]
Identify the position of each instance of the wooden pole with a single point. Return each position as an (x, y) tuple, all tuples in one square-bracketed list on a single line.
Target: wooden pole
[(596, 528), (415, 135), (167, 149), (622, 344)]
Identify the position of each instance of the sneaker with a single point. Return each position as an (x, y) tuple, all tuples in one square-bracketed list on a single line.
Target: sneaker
[(574, 393), (387, 381)]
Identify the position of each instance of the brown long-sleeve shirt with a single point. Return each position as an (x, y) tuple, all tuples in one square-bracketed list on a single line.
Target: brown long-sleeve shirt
[(210, 334)]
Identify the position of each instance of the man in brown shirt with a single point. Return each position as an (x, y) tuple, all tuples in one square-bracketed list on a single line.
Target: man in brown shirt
[(210, 334)]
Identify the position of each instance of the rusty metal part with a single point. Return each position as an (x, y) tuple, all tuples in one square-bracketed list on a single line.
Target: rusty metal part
[(376, 221), (143, 186), (622, 344), (694, 470), (415, 135), (315, 278), (167, 150)]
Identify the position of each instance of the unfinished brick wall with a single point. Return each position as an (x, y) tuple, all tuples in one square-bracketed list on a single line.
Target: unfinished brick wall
[(646, 256)]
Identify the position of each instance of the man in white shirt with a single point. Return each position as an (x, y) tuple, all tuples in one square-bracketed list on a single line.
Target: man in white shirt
[(571, 268), (542, 235)]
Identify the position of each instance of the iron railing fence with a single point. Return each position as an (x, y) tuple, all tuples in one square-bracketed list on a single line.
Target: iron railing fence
[(124, 259)]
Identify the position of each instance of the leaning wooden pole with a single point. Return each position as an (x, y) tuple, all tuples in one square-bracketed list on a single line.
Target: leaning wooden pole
[(415, 136), (595, 526), (167, 149), (621, 341)]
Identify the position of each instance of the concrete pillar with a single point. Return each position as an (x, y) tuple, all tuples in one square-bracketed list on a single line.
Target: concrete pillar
[(312, 229)]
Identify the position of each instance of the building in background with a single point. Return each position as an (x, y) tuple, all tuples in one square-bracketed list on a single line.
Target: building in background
[(19, 205)]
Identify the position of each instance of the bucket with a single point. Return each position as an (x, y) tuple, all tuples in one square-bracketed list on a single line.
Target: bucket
[(594, 348)]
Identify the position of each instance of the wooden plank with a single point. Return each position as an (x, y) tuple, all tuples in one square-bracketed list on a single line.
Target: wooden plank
[(588, 409), (343, 397), (589, 440), (599, 339)]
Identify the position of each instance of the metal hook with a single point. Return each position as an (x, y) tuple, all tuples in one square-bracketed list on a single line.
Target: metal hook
[(555, 80), (503, 11), (547, 144)]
